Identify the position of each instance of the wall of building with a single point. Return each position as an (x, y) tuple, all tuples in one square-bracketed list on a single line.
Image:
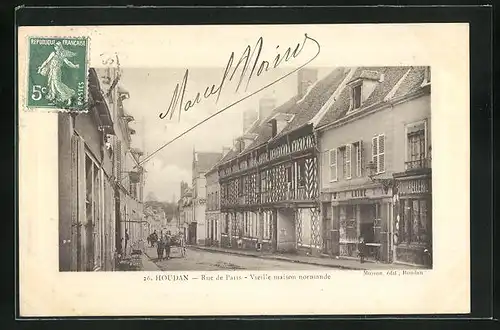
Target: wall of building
[(65, 193), (80, 141), (391, 122)]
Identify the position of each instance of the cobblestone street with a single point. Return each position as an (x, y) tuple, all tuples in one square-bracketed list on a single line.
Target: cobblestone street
[(203, 260)]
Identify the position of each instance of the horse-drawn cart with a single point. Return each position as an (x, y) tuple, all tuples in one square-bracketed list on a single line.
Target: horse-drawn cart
[(178, 245)]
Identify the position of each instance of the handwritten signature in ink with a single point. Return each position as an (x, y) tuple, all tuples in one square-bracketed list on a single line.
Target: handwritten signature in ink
[(179, 102)]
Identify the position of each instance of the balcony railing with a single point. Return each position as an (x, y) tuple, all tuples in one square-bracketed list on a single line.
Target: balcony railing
[(418, 164), (268, 197)]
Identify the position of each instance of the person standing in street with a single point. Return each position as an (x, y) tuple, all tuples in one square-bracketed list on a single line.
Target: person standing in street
[(361, 249), (154, 238), (126, 241), (168, 242), (160, 246)]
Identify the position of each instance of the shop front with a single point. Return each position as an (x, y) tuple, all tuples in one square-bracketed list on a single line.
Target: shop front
[(361, 212), (413, 223)]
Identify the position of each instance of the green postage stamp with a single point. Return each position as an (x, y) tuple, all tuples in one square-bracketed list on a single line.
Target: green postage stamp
[(57, 73)]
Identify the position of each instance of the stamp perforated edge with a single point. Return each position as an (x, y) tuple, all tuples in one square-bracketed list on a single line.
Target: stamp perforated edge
[(48, 109)]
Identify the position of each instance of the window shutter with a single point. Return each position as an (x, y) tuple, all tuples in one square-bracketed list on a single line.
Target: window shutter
[(381, 153), (333, 165), (348, 159), (359, 158), (375, 151)]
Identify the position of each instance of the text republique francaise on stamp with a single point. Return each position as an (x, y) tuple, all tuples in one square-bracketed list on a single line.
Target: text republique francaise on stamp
[(57, 73)]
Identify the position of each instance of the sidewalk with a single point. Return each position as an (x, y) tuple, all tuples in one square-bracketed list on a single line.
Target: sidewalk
[(348, 264), (150, 253), (147, 264)]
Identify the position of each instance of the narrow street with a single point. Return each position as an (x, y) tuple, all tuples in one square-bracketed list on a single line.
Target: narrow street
[(199, 260)]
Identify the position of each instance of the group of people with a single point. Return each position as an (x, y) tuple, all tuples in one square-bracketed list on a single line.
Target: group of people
[(163, 244)]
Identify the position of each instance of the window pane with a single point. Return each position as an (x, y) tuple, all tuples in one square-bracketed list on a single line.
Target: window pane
[(424, 236), (415, 221), (357, 97)]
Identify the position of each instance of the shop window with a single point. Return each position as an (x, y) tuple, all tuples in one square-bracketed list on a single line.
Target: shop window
[(415, 227), (348, 227)]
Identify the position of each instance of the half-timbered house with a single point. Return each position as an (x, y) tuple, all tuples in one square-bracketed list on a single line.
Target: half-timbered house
[(269, 181)]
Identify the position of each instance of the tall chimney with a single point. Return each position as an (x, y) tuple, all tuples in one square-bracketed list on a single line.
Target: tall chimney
[(266, 107), (305, 78)]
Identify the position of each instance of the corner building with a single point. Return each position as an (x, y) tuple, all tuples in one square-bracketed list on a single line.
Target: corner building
[(375, 150)]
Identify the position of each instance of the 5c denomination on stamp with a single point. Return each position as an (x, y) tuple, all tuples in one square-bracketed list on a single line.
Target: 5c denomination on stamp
[(57, 73)]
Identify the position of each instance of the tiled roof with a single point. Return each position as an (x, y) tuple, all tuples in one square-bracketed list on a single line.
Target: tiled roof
[(304, 110), (412, 81), (264, 131), (315, 99), (340, 107), (260, 129), (205, 160)]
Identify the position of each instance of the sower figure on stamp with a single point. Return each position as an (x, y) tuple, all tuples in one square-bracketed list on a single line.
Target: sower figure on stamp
[(52, 69), (361, 249)]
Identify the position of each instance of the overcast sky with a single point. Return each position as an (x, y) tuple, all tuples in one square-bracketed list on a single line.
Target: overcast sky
[(151, 92)]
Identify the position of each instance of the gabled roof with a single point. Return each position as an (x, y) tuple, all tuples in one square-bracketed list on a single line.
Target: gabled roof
[(391, 80), (303, 108), (264, 131), (261, 130), (204, 161), (314, 100)]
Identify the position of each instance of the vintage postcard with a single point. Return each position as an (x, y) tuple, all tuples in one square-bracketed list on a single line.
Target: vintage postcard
[(244, 170)]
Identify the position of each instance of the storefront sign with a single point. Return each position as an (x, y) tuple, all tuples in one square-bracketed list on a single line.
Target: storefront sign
[(415, 186), (358, 193), (361, 193)]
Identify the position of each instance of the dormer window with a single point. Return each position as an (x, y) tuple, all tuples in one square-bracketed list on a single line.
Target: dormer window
[(279, 122), (356, 97), (362, 87)]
